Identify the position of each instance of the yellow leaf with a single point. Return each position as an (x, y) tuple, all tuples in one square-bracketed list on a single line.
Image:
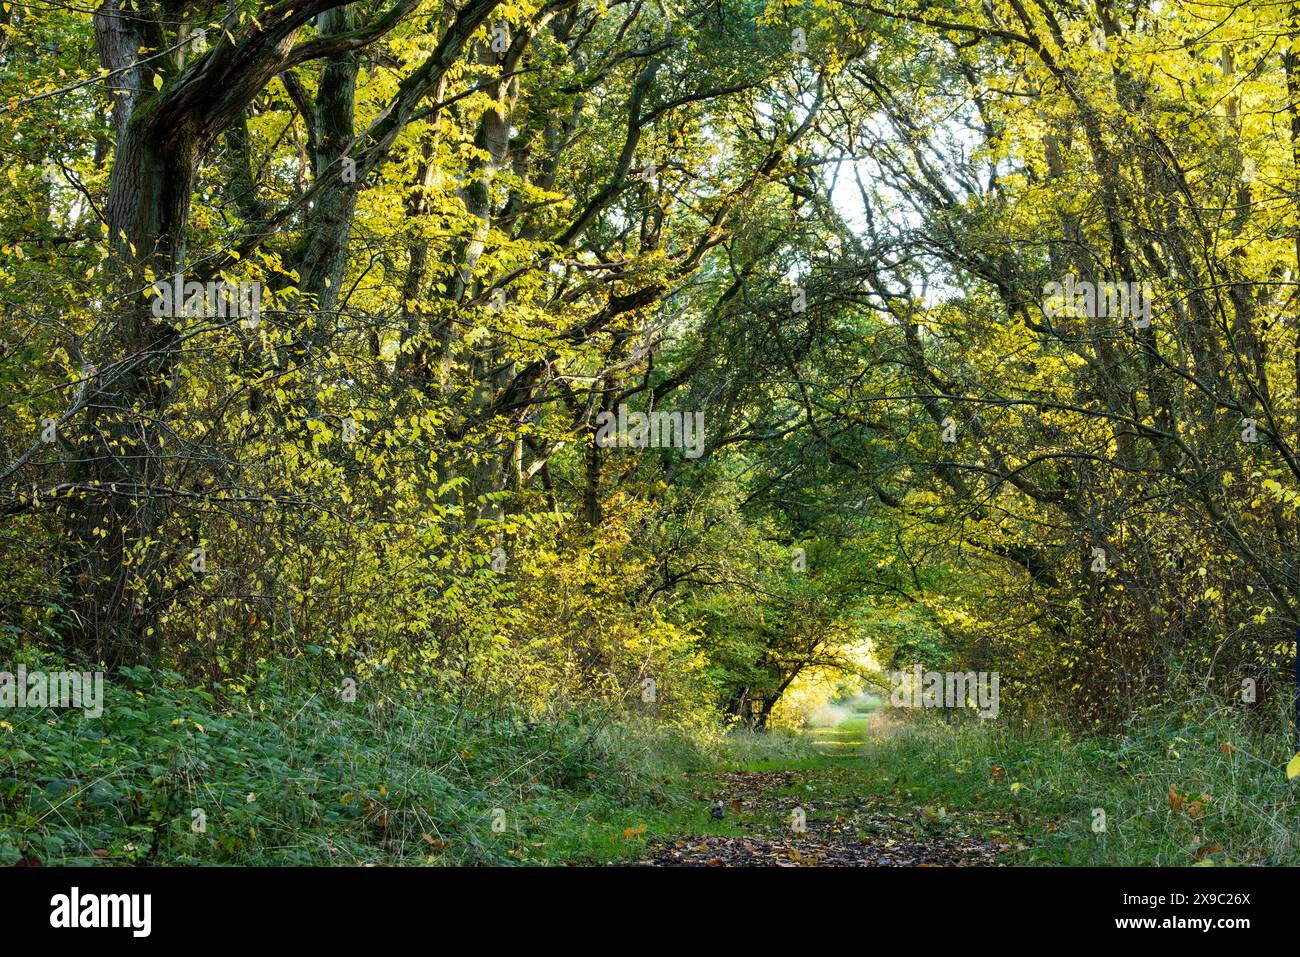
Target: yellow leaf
[(157, 81), (1293, 767)]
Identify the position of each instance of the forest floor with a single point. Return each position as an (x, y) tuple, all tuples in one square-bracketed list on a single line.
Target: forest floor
[(837, 809), (283, 783)]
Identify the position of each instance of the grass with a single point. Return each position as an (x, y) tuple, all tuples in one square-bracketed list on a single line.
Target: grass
[(1196, 790), (291, 775)]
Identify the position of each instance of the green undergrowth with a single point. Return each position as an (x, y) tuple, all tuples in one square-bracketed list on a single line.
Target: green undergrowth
[(290, 774), (1197, 789)]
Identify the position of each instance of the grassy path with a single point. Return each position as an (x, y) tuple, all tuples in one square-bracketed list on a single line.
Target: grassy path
[(835, 809), (843, 741), (870, 789)]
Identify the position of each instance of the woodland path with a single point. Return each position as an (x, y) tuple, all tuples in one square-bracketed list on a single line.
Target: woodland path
[(846, 819)]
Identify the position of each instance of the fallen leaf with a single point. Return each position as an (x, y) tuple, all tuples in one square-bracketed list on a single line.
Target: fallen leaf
[(1207, 850), (433, 842), (1175, 801)]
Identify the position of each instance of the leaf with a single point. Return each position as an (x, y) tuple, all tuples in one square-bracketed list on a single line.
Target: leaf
[(1206, 850), (1175, 800), (631, 833), (157, 81), (1293, 767)]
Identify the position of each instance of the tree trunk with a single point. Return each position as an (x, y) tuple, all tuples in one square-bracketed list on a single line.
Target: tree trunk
[(115, 554)]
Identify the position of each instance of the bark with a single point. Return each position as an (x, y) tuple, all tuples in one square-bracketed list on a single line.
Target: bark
[(323, 250), (119, 553)]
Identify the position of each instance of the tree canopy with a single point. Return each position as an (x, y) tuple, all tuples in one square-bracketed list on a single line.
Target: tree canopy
[(965, 333)]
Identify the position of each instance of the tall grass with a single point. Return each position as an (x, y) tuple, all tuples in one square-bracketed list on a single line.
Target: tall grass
[(290, 774), (1199, 788), (743, 747)]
